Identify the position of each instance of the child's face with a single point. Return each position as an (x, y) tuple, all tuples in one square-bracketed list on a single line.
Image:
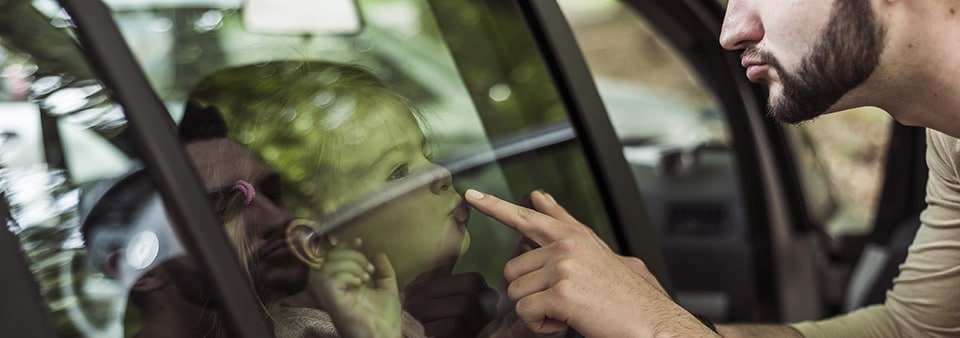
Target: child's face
[(423, 230)]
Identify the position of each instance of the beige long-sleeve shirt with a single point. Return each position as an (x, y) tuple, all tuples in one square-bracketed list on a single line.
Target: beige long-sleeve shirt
[(925, 299)]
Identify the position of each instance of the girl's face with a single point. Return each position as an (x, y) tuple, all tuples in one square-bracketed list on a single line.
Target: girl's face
[(421, 231)]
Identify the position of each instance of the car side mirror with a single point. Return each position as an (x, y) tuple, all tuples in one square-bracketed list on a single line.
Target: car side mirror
[(302, 17)]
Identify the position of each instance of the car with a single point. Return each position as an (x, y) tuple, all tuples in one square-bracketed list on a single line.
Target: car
[(655, 139)]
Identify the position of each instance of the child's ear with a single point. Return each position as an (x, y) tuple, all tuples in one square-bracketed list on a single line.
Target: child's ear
[(306, 243)]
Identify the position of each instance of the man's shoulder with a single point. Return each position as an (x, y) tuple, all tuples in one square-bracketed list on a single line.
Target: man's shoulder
[(938, 139), (942, 150)]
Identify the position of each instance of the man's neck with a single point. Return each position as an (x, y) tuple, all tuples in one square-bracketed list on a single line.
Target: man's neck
[(920, 82)]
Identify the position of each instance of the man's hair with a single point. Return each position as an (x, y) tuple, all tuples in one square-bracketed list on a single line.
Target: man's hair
[(201, 122)]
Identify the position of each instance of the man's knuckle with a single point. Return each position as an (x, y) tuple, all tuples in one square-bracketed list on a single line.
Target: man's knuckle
[(636, 262), (564, 290), (566, 246), (566, 268)]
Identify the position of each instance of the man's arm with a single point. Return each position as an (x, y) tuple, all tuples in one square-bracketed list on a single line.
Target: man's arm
[(746, 330)]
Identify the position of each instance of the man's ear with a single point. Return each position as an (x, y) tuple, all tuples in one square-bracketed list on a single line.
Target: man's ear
[(112, 263), (306, 244), (150, 281)]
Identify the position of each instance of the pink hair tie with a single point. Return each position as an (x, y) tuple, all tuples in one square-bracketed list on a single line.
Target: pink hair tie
[(247, 189)]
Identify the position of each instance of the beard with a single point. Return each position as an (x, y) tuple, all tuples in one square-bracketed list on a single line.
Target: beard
[(846, 54)]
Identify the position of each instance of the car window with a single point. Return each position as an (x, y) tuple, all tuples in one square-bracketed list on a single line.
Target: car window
[(94, 230), (352, 150), (677, 141)]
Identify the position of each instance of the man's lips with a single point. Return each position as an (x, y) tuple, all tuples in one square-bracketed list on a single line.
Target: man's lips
[(273, 249), (756, 69)]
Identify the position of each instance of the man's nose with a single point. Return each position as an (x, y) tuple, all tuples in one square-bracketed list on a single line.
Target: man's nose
[(742, 26), (267, 216)]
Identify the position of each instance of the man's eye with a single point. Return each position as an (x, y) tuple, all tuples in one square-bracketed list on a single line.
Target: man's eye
[(400, 172), (216, 198), (225, 203)]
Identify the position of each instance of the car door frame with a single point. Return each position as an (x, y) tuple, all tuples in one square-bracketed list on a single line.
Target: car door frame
[(779, 226), (154, 136)]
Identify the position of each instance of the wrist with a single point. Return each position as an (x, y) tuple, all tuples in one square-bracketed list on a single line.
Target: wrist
[(682, 323)]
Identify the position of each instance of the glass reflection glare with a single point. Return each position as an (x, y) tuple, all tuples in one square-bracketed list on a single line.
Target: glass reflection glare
[(209, 21), (142, 250), (500, 92)]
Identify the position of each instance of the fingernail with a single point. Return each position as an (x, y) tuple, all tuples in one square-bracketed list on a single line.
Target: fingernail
[(474, 194), (366, 277), (333, 240), (369, 267)]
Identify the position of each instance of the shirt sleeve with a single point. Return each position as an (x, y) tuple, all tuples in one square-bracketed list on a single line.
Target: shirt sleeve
[(925, 299)]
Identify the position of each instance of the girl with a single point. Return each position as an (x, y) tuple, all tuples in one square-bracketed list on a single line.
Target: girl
[(342, 139)]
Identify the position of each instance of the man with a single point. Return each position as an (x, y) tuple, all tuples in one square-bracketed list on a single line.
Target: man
[(246, 194), (129, 238), (815, 57)]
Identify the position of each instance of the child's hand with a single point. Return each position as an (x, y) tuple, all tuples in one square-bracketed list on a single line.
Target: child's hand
[(361, 297)]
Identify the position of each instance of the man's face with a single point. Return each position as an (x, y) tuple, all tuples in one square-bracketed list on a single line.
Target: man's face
[(809, 53), (254, 218)]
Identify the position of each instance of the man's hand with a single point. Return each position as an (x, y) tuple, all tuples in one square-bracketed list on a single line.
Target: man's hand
[(451, 306), (575, 279)]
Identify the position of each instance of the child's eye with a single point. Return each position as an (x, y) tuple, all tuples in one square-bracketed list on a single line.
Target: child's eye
[(399, 172), (428, 152)]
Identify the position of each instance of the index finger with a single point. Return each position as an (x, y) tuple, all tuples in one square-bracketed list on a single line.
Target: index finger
[(539, 227)]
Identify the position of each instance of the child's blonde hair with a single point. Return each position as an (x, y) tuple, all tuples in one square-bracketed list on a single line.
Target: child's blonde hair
[(285, 111)]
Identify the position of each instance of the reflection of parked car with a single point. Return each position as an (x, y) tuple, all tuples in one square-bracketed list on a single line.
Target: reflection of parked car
[(710, 197)]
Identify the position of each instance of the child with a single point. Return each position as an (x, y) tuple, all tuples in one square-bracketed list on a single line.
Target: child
[(337, 133)]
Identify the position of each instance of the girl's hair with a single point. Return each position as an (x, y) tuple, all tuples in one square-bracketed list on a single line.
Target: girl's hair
[(286, 111)]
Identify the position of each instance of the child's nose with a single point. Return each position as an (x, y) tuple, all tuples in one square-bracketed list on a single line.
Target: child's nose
[(444, 180)]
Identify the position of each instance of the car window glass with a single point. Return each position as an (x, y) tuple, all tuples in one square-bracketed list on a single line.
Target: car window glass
[(323, 151), (93, 229), (677, 142)]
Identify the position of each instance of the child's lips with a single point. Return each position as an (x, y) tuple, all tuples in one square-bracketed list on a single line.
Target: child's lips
[(460, 212)]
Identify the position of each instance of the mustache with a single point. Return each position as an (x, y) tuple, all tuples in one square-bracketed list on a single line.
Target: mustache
[(755, 52)]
